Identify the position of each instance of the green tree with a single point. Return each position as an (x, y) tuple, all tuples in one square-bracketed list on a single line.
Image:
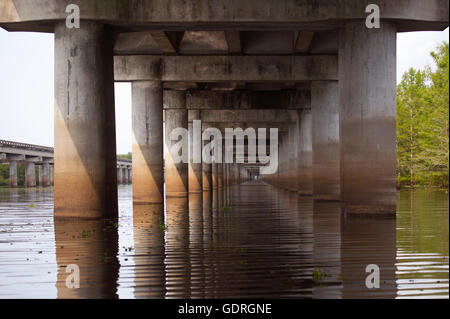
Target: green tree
[(422, 124)]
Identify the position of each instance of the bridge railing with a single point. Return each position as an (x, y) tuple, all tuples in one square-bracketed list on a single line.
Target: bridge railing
[(30, 147)]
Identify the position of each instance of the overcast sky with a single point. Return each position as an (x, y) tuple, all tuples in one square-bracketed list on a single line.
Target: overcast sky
[(26, 84)]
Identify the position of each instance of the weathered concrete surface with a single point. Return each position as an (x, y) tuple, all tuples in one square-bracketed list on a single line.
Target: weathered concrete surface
[(44, 175), (304, 157), (195, 169), (176, 178), (148, 148), (85, 137), (13, 174), (30, 174), (325, 140), (367, 118), (226, 68), (119, 175), (410, 15)]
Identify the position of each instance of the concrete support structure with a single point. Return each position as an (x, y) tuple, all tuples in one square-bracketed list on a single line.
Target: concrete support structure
[(44, 175), (325, 140), (30, 174), (207, 178), (176, 177), (148, 148), (119, 175), (304, 168), (13, 174), (195, 169), (367, 117), (85, 136), (125, 175)]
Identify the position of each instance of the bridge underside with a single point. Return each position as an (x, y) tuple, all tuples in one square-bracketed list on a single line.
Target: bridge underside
[(311, 69)]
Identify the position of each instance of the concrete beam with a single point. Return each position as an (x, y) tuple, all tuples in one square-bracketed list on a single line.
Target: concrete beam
[(40, 15), (243, 99), (303, 41), (233, 41), (256, 116), (225, 68)]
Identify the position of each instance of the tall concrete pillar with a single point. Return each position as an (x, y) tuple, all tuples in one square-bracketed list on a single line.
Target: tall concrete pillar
[(304, 155), (367, 117), (325, 141), (220, 175), (119, 175), (85, 134), (51, 175), (147, 123), (13, 174), (125, 175), (30, 174), (130, 175), (207, 176), (44, 172), (176, 173), (195, 169)]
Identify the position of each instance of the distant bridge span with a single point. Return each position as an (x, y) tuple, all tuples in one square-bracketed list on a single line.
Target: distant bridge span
[(31, 155)]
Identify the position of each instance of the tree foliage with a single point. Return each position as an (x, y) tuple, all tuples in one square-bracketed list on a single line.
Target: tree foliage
[(422, 124)]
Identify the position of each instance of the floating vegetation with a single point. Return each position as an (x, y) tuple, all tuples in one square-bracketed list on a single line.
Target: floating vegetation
[(224, 209), (31, 206), (86, 234), (318, 274)]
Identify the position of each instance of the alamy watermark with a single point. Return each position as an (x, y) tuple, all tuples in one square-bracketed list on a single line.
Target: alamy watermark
[(181, 152), (373, 19)]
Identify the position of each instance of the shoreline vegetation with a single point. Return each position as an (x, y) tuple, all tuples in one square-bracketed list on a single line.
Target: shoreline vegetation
[(423, 124), (422, 127)]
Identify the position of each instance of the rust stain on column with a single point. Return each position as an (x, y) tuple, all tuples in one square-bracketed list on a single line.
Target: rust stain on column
[(147, 115), (85, 138)]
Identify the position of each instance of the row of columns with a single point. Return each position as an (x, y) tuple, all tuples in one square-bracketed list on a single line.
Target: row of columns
[(84, 111), (309, 150), (124, 175), (45, 174), (343, 149)]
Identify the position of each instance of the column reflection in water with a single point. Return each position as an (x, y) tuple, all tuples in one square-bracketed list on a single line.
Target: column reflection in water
[(208, 244), (92, 245), (368, 240), (149, 255), (197, 262), (327, 250), (177, 248)]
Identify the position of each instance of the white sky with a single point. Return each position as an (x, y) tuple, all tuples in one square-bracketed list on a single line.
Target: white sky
[(26, 84)]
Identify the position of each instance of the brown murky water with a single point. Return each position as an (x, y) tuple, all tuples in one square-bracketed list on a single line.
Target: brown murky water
[(250, 241)]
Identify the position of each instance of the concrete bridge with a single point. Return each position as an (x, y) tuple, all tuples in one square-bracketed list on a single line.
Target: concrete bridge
[(311, 68), (42, 156)]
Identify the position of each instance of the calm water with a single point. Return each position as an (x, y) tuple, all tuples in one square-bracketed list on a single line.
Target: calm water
[(250, 241)]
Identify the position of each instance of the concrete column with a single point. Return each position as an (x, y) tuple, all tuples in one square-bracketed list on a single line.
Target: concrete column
[(214, 175), (13, 174), (304, 155), (119, 175), (147, 122), (220, 175), (206, 174), (367, 117), (195, 169), (292, 154), (130, 176), (51, 175), (85, 135), (44, 171), (125, 175), (176, 173), (325, 142), (30, 174)]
